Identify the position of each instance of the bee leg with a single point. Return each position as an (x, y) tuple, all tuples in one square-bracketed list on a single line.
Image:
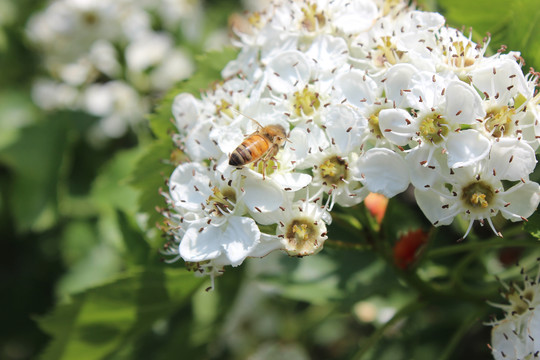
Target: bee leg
[(269, 155)]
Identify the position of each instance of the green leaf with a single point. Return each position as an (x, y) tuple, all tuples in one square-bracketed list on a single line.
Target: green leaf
[(101, 321), (149, 177), (533, 225), (35, 161), (209, 68), (111, 189), (16, 112)]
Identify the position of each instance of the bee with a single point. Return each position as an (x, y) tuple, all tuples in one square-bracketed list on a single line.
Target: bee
[(261, 145)]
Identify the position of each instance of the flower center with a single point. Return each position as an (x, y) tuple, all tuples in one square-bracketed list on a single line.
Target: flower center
[(458, 57), (373, 123), (225, 108), (265, 167), (390, 5), (499, 121), (302, 237), (305, 102), (90, 17), (519, 305), (388, 51), (222, 202), (255, 20), (433, 129), (478, 195), (313, 20), (333, 170)]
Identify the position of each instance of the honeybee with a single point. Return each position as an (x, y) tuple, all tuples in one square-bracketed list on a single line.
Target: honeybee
[(261, 145)]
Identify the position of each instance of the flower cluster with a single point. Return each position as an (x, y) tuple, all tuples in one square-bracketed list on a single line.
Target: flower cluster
[(517, 336), (373, 96), (105, 57)]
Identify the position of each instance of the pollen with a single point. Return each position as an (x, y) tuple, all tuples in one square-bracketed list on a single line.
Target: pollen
[(458, 57), (479, 200), (301, 232), (255, 20), (222, 202), (388, 51), (373, 123), (498, 122), (224, 107), (518, 302), (478, 195), (313, 20), (333, 170), (433, 129), (302, 237), (305, 102)]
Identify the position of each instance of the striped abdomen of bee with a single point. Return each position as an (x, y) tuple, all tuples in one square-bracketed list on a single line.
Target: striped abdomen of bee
[(251, 149), (261, 145)]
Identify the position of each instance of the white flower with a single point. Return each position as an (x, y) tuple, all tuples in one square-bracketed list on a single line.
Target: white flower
[(443, 106), (382, 171), (301, 230), (211, 225), (476, 193), (517, 335), (372, 96)]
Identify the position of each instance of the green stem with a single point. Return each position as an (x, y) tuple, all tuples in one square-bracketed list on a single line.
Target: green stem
[(460, 333), (338, 244), (497, 243), (376, 336)]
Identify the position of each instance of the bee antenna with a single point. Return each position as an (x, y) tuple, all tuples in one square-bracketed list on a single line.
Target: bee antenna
[(244, 115)]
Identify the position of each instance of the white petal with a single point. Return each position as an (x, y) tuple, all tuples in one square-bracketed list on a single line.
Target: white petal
[(463, 104), (512, 159), (287, 70), (523, 199), (398, 78), (262, 195), (292, 181), (189, 186), (185, 109), (426, 91), (329, 51), (382, 171), (505, 341), (267, 244), (199, 146), (356, 88), (397, 126), (306, 145), (533, 330), (344, 127), (351, 11), (466, 148), (431, 204), (503, 77), (200, 246), (240, 238), (426, 20), (422, 175)]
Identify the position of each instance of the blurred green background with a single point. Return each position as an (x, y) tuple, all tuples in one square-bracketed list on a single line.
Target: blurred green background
[(81, 276)]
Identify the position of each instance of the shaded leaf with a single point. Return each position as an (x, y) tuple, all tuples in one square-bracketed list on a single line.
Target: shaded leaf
[(98, 322), (35, 160), (533, 225), (149, 177), (112, 189)]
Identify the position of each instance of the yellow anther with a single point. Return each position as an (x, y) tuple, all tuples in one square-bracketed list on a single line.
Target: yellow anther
[(479, 200)]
